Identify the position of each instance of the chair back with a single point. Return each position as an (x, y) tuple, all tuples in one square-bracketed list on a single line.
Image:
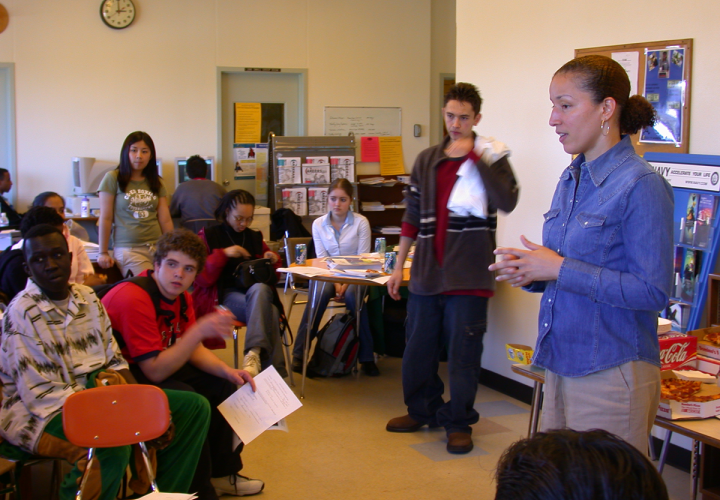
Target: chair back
[(290, 247), (290, 256), (115, 415)]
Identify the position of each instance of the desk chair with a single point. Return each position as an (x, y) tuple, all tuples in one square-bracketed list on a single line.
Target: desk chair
[(286, 351), (116, 415), (291, 281)]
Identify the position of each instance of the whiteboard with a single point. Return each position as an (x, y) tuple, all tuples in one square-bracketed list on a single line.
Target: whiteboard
[(363, 121)]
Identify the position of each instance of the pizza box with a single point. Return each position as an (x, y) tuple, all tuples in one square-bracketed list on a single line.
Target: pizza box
[(678, 410), (708, 365), (519, 353), (705, 348)]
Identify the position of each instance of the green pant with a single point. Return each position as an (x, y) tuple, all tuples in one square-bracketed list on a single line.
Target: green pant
[(175, 464)]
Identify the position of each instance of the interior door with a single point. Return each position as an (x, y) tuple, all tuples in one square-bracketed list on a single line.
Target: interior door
[(286, 88)]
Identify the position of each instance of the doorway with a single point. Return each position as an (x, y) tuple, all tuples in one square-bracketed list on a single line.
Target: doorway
[(283, 91), (7, 124)]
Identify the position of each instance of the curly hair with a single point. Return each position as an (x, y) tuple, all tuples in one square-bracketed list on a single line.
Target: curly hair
[(181, 240), (603, 77), (40, 215), (464, 92), (562, 464)]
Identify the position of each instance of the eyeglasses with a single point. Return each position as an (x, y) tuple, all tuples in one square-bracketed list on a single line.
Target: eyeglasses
[(245, 220)]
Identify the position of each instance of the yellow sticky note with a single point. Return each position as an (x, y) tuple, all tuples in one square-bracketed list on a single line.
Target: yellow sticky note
[(391, 156), (248, 116)]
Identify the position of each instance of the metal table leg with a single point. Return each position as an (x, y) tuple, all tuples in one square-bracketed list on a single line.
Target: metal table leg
[(664, 451), (535, 409), (312, 304), (359, 303)]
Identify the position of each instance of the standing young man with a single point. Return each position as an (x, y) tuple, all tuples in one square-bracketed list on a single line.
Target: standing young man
[(455, 191), (165, 349), (57, 340)]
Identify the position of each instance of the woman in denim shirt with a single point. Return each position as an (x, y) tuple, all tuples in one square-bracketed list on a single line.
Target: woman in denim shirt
[(605, 267)]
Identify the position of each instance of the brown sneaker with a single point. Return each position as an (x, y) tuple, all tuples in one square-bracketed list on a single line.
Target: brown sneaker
[(403, 424), (459, 442)]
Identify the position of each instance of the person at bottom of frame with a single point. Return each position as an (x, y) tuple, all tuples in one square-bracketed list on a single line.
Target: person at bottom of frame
[(587, 465), (165, 349), (57, 340)]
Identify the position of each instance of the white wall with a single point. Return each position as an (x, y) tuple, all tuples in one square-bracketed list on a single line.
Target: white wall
[(442, 60), (511, 50), (82, 87)]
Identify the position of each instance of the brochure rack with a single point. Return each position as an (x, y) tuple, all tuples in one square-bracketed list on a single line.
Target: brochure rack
[(696, 183), (302, 168)]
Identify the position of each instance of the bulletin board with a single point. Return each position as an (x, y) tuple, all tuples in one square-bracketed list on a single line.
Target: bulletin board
[(663, 75)]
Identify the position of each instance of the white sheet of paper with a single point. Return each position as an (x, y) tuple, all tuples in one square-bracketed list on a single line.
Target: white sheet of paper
[(631, 62), (251, 413), (308, 272), (155, 495)]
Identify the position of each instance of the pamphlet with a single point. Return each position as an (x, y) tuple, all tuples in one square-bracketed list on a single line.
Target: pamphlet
[(252, 413)]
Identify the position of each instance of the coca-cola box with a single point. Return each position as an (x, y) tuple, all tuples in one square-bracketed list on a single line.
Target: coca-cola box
[(678, 352), (705, 348), (675, 410)]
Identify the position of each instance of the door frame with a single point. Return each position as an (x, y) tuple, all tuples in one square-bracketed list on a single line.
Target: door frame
[(302, 101), (7, 73)]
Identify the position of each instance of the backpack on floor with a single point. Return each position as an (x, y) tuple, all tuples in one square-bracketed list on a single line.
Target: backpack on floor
[(336, 349)]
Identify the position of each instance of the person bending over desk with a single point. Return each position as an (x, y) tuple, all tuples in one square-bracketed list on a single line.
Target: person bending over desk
[(339, 232)]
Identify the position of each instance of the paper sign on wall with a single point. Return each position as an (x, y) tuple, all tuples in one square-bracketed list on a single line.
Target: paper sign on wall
[(248, 122), (391, 156), (369, 149)]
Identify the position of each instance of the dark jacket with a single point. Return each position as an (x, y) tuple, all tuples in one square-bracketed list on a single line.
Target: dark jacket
[(470, 240)]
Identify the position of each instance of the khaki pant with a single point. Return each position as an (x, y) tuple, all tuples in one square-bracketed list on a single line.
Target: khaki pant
[(622, 400), (136, 259)]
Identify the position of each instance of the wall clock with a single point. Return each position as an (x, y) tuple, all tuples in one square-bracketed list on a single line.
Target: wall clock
[(117, 14), (4, 18)]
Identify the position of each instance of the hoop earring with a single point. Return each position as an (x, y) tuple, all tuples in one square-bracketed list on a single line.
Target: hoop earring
[(605, 127)]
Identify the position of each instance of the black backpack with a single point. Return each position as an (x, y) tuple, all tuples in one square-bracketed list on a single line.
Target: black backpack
[(336, 350)]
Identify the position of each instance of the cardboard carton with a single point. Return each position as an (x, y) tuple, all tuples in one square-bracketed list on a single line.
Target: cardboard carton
[(706, 348), (677, 351), (519, 353), (677, 410)]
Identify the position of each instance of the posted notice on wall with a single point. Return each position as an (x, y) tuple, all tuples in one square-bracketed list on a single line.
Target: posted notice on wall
[(252, 413), (248, 121), (391, 156)]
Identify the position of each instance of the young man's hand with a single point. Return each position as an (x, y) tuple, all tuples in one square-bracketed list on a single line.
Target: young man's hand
[(460, 147), (240, 377), (393, 284), (216, 325)]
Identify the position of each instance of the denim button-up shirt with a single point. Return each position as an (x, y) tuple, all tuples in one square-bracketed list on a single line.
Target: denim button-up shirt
[(612, 221)]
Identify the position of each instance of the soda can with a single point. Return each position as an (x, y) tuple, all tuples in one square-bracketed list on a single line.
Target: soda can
[(380, 246), (301, 254), (390, 261)]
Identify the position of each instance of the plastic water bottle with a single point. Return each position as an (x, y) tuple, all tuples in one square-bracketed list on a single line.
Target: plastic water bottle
[(4, 222), (85, 207)]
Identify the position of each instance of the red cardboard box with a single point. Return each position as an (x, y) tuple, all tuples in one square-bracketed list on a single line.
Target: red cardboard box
[(676, 410), (706, 348), (678, 351)]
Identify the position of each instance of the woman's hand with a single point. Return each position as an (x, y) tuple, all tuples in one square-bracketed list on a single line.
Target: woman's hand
[(272, 256), (521, 267), (340, 291), (105, 261), (236, 251)]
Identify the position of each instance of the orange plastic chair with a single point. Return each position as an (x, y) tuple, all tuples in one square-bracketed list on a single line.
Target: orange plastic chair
[(116, 415)]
